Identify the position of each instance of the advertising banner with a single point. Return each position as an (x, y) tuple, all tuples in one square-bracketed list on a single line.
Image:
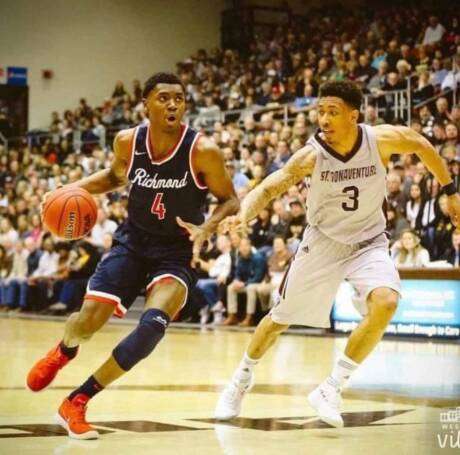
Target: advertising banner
[(16, 75), (427, 308)]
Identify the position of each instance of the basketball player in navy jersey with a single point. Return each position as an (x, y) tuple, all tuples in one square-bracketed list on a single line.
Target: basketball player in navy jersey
[(171, 168), (344, 239)]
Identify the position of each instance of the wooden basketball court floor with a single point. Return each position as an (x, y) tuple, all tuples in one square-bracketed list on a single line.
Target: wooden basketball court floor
[(165, 404)]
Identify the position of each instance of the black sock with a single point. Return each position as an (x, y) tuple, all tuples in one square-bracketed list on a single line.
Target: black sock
[(68, 352), (89, 388)]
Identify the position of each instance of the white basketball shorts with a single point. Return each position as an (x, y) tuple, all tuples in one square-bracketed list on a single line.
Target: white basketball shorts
[(307, 292)]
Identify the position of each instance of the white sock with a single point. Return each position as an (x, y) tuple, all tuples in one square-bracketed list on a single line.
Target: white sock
[(343, 368), (244, 370)]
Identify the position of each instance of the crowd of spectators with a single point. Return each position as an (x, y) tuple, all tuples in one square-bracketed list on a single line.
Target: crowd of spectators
[(382, 51)]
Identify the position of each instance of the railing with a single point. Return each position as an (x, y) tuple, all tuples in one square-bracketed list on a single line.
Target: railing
[(453, 91), (435, 97), (39, 137), (284, 111), (398, 101)]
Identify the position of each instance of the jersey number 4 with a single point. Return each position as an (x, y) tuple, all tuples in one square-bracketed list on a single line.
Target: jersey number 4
[(352, 204), (158, 208)]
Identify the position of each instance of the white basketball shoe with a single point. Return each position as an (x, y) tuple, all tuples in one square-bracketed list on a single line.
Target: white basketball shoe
[(327, 401), (229, 404)]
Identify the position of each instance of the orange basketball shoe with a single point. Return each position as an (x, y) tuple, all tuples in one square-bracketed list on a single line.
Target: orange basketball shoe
[(46, 369), (71, 416)]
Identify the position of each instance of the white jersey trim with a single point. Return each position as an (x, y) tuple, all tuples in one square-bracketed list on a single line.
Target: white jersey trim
[(133, 150), (171, 154), (168, 275)]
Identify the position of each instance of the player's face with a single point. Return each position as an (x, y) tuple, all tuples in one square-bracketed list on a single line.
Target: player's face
[(335, 118), (166, 105)]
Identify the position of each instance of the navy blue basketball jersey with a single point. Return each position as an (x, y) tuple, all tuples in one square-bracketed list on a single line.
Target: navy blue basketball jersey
[(166, 188)]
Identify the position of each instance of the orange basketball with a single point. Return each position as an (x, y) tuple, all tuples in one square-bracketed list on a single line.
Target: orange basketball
[(70, 213)]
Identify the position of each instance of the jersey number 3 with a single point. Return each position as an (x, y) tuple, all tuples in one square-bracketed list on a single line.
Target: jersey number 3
[(353, 193), (158, 208)]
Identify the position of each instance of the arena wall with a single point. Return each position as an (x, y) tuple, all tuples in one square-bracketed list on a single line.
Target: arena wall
[(90, 44)]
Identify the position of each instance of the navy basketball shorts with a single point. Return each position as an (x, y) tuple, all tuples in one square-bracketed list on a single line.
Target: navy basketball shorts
[(123, 273)]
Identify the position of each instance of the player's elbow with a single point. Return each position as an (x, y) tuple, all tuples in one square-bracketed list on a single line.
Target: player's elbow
[(421, 146), (115, 180), (424, 150)]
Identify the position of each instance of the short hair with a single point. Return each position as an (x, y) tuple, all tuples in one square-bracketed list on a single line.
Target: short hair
[(347, 91), (160, 78)]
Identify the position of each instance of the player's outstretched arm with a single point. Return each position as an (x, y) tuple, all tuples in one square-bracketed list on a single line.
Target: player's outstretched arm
[(403, 140), (300, 165), (115, 176)]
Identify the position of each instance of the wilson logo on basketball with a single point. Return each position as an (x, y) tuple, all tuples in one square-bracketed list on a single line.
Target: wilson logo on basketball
[(68, 231), (70, 213)]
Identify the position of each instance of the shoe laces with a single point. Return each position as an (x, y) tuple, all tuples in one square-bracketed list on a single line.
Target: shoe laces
[(238, 386), (78, 410), (56, 359), (234, 392), (331, 396)]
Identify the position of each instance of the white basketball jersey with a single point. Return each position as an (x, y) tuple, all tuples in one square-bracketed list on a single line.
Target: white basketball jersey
[(346, 194)]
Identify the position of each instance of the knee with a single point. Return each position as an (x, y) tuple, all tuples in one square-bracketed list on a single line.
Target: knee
[(273, 328), (384, 302), (142, 340)]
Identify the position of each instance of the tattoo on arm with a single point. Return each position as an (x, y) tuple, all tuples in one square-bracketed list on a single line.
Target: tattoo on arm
[(299, 166), (224, 209)]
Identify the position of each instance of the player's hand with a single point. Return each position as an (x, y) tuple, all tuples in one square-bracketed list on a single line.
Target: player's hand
[(453, 207), (197, 234), (43, 202), (45, 197)]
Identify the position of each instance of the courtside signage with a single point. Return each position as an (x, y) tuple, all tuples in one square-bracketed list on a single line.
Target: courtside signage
[(427, 308), (16, 75)]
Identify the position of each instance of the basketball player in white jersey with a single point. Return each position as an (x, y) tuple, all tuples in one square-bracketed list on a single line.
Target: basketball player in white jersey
[(344, 239)]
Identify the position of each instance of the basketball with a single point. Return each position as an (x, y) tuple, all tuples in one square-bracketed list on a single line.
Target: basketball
[(70, 213)]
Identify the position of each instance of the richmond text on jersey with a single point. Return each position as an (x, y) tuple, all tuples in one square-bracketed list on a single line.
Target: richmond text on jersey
[(163, 189)]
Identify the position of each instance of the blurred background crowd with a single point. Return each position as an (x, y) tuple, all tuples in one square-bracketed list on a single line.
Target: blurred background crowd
[(259, 107)]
